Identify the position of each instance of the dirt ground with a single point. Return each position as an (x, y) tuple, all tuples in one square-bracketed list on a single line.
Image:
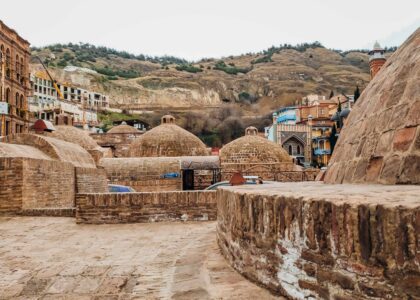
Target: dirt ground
[(53, 258)]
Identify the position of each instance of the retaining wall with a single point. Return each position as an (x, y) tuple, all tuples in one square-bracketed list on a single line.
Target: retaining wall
[(145, 207), (342, 242)]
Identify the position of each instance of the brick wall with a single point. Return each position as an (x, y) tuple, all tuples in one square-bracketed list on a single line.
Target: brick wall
[(11, 174), (145, 207), (143, 174), (90, 180), (305, 245), (47, 184)]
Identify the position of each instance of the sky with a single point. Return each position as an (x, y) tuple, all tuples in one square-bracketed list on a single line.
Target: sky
[(195, 29)]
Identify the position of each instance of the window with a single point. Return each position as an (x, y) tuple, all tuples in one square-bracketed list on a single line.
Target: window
[(8, 95), (8, 72), (290, 150), (17, 100), (298, 149)]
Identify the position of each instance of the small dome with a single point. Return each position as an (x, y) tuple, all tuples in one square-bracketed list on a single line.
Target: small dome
[(344, 113), (74, 135), (167, 139), (252, 148), (123, 128), (377, 46), (335, 117)]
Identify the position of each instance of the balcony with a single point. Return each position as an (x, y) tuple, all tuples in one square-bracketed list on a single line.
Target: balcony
[(322, 137), (322, 151)]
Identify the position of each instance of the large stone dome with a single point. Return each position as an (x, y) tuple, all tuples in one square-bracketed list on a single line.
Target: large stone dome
[(74, 135), (123, 128), (380, 142), (167, 139), (252, 148)]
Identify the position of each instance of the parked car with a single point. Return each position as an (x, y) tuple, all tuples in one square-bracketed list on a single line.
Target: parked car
[(116, 188)]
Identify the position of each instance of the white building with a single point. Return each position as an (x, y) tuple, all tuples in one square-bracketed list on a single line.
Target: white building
[(80, 104)]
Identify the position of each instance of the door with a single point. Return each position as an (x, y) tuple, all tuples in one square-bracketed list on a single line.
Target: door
[(187, 180)]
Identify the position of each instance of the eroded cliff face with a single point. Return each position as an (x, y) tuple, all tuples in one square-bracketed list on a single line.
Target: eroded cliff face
[(288, 76)]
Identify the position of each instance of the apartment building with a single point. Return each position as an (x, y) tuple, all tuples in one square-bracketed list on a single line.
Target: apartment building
[(14, 82)]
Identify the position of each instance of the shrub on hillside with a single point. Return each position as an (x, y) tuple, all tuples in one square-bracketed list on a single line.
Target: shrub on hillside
[(188, 68)]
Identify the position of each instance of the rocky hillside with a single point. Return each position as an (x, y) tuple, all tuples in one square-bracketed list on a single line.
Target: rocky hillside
[(258, 82)]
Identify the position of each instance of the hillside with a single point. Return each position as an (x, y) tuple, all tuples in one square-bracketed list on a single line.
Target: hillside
[(257, 82)]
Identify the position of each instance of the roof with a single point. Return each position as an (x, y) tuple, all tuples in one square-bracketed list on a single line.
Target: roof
[(167, 140), (55, 148), (123, 128), (380, 142), (43, 125), (253, 149), (21, 151), (344, 113), (74, 135)]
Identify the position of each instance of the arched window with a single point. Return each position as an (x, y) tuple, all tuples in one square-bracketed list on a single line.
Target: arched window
[(17, 67), (8, 95), (298, 149), (21, 67), (8, 63), (290, 149), (17, 100), (22, 104)]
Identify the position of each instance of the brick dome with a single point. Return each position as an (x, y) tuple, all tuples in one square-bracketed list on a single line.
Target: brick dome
[(74, 135), (380, 142), (123, 128), (252, 148), (167, 139)]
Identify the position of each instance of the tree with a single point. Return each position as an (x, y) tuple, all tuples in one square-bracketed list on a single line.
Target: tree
[(356, 94), (331, 94), (333, 138)]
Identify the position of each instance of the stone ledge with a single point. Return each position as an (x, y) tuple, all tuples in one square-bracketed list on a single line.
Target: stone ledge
[(316, 240), (350, 194), (49, 212)]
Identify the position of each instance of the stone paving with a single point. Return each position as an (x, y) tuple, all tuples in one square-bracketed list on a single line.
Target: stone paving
[(53, 258)]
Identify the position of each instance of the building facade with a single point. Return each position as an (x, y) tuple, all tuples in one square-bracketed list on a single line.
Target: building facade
[(14, 82), (79, 105), (294, 138)]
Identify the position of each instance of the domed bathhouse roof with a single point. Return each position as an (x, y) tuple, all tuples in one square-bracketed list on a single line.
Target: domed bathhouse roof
[(123, 128), (252, 148), (74, 135), (380, 142), (167, 139)]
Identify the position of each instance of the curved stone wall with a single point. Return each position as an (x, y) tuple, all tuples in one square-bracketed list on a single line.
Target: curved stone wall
[(344, 242)]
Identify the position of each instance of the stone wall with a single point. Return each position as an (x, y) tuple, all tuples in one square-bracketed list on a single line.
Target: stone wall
[(29, 184), (144, 174), (282, 172), (11, 174), (90, 180), (344, 242), (145, 207), (267, 171), (47, 184)]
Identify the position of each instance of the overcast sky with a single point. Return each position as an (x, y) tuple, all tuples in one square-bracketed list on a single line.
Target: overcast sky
[(195, 29)]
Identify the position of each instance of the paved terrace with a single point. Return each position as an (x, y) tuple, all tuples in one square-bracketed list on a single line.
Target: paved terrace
[(53, 258)]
